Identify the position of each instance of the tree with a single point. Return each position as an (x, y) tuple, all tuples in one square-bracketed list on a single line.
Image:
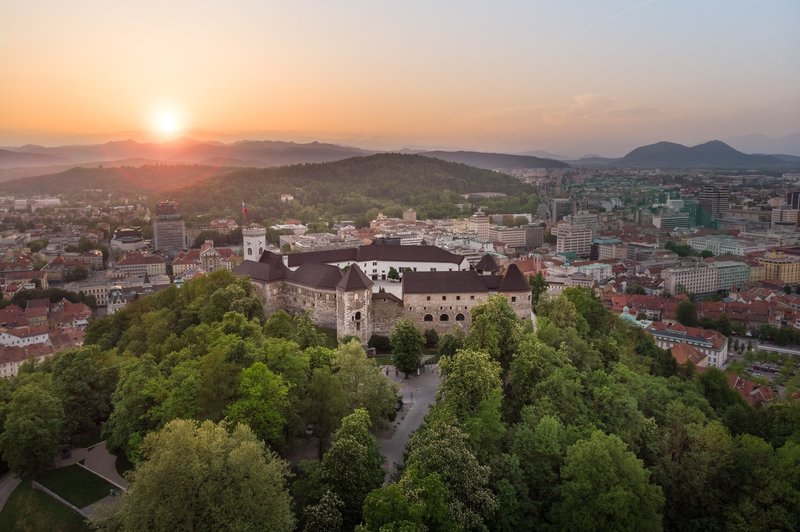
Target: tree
[(407, 345), (686, 313), (431, 338), (261, 403), (201, 477), (352, 466), (326, 515), (32, 427), (495, 329), (538, 287), (468, 379), (324, 405), (706, 254), (604, 486), (363, 383), (393, 274), (451, 342), (84, 380), (442, 449)]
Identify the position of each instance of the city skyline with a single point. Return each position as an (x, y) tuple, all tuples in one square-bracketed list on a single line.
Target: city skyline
[(602, 77)]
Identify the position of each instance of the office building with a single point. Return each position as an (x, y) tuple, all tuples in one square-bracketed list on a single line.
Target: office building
[(169, 229)]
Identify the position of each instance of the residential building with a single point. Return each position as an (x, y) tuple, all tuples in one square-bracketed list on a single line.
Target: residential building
[(479, 225), (781, 267), (207, 259), (697, 278), (139, 264), (574, 239), (514, 237), (713, 344)]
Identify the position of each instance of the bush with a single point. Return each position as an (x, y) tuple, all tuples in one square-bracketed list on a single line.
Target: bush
[(380, 343)]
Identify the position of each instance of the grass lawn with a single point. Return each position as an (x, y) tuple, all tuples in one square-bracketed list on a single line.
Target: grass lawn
[(76, 485), (382, 360), (28, 510)]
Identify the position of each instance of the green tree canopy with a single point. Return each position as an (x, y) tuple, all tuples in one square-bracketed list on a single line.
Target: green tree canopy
[(407, 344), (604, 486), (199, 476)]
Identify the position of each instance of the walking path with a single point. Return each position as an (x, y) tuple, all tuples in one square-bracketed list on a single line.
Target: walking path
[(419, 393), (8, 484)]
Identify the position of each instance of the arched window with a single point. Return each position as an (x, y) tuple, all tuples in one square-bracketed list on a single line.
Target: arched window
[(444, 317), (428, 317), (260, 250), (459, 317), (358, 315), (249, 252)]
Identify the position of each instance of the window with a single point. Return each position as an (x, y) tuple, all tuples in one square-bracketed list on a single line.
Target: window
[(459, 317), (458, 298), (444, 317), (513, 299), (428, 317), (472, 297), (444, 298), (358, 315), (428, 298), (249, 252)]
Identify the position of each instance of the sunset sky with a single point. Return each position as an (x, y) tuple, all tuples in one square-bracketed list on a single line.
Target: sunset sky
[(566, 76)]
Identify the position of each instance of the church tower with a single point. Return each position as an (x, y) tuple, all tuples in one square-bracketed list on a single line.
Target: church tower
[(255, 241)]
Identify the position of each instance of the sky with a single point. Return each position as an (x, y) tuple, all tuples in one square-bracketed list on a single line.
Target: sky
[(568, 76)]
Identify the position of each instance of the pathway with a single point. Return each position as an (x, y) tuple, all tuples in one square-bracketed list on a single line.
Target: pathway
[(8, 484), (419, 393)]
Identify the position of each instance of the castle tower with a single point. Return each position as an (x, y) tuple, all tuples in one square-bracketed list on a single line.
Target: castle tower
[(255, 241), (354, 305)]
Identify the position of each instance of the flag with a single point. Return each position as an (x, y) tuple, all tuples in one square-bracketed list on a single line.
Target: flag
[(244, 211)]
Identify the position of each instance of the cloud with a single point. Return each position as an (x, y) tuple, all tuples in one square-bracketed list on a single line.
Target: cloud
[(591, 107)]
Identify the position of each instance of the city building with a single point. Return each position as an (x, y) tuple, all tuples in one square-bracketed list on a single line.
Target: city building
[(713, 344), (479, 225), (699, 278), (784, 217), (206, 259), (559, 207), (534, 235), (574, 239), (780, 267), (139, 264), (169, 229), (714, 200), (515, 237)]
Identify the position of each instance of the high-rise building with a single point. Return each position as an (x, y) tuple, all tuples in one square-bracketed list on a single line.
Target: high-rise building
[(793, 200), (534, 235), (559, 208), (714, 201), (169, 229), (784, 217), (479, 224), (575, 239)]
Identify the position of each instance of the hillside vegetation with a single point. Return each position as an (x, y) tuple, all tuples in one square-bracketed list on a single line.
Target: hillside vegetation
[(351, 187)]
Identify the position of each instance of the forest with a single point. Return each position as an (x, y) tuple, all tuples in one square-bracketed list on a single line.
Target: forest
[(580, 424)]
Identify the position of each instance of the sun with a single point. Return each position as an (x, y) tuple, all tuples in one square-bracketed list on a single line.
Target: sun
[(167, 122)]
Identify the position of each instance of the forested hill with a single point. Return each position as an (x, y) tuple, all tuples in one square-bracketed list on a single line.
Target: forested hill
[(157, 178), (353, 186)]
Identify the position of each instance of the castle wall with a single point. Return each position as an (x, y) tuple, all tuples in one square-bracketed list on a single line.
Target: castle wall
[(428, 310), (321, 304), (385, 315), (354, 314)]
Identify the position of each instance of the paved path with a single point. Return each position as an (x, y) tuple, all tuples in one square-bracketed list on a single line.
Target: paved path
[(8, 484), (419, 393), (102, 462)]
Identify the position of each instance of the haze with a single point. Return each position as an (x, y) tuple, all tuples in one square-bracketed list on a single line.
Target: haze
[(570, 77)]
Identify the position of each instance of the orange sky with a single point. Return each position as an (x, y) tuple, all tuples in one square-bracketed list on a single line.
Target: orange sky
[(574, 76)]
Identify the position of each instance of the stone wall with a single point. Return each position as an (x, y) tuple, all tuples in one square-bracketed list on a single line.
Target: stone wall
[(442, 312), (354, 314), (386, 312), (321, 304)]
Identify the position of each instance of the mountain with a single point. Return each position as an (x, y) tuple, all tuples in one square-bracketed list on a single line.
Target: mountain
[(494, 161), (350, 187), (547, 155), (713, 154), (11, 158), (179, 151), (757, 143)]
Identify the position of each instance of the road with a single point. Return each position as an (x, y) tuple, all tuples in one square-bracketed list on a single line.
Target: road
[(419, 393)]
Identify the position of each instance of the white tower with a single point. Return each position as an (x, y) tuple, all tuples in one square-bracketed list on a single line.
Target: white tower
[(255, 241)]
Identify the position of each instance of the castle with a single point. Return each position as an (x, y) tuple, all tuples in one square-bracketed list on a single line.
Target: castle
[(337, 287)]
